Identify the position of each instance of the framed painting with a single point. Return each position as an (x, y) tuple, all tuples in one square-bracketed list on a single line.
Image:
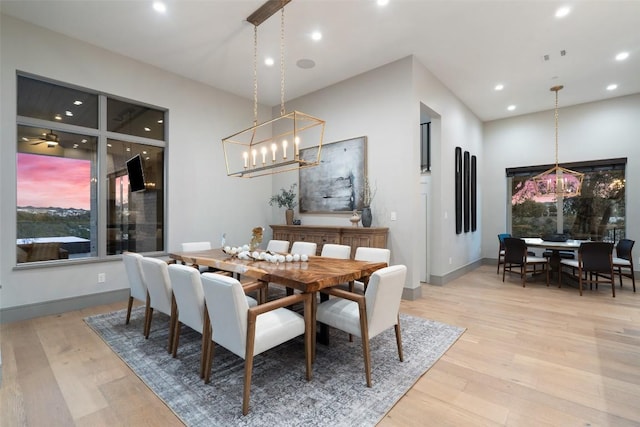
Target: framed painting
[(336, 185), (466, 194), (458, 189)]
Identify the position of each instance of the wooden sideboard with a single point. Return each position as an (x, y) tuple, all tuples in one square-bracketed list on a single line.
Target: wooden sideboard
[(374, 237)]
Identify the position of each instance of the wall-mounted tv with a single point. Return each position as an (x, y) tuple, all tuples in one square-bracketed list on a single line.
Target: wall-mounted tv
[(136, 173)]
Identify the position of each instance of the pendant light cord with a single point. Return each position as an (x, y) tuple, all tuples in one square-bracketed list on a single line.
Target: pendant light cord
[(282, 111)]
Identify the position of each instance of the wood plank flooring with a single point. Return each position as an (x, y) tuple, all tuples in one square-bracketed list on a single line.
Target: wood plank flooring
[(533, 356)]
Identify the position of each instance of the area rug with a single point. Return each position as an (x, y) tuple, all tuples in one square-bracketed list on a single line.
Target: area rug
[(336, 396)]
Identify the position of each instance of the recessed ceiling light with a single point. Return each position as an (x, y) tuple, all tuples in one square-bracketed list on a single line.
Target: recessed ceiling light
[(622, 56), (77, 102), (562, 12), (68, 113), (511, 107), (25, 139), (159, 7), (382, 2), (160, 121), (499, 87), (146, 129), (269, 62), (84, 141), (58, 117), (612, 87), (316, 35)]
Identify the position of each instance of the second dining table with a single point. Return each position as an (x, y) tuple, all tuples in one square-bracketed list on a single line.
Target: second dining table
[(306, 276)]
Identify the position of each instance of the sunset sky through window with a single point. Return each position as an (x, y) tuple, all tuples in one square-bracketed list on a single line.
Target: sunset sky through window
[(49, 181)]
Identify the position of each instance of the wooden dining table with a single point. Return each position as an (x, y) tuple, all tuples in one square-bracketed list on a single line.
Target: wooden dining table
[(306, 276)]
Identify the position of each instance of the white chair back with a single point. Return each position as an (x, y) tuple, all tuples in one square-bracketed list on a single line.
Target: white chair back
[(304, 248), (331, 250), (372, 254), (134, 274), (227, 308), (383, 297), (280, 246), (196, 246), (156, 276), (187, 289)]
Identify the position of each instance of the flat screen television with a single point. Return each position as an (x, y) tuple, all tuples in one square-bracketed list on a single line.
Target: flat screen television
[(136, 173)]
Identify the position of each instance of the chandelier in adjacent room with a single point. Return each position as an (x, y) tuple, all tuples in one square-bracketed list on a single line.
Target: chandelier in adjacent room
[(558, 182), (276, 145)]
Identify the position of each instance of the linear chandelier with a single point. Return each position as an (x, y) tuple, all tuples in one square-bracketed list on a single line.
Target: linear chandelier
[(276, 145), (558, 182)]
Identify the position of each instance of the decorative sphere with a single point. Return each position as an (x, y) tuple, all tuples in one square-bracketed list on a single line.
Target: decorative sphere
[(227, 249), (304, 257), (281, 258), (245, 247), (296, 257), (263, 255), (255, 254), (288, 258)]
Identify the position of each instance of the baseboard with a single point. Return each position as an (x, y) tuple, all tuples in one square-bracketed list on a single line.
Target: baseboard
[(30, 311), (412, 294), (443, 280)]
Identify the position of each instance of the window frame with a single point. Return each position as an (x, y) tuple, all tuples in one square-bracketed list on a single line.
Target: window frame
[(102, 136), (614, 164)]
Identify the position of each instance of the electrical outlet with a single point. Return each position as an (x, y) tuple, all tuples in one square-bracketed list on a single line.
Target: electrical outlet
[(102, 277), (394, 216)]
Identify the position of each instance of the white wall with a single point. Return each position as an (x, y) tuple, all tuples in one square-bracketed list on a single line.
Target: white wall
[(202, 201), (384, 105), (593, 131)]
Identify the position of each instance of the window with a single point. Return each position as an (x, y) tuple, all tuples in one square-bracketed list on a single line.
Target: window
[(425, 147), (597, 214), (62, 157)]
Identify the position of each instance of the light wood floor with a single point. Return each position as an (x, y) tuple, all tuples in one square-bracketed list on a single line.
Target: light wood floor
[(530, 357)]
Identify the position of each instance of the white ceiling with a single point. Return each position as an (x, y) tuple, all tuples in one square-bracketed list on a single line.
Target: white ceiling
[(469, 45)]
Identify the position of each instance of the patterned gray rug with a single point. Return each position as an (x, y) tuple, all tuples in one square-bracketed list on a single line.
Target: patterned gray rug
[(336, 396)]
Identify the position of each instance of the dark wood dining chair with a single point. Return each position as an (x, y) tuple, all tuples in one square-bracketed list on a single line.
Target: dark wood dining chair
[(623, 261), (515, 255), (593, 266), (501, 238)]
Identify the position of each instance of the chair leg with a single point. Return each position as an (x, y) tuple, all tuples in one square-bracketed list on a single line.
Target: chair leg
[(176, 339), (206, 338), (399, 340), (172, 323), (130, 305), (248, 363), (364, 335), (147, 326), (209, 361)]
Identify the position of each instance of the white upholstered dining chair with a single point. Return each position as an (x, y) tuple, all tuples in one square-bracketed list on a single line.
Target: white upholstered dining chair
[(197, 246), (370, 314), (137, 287), (372, 255), (187, 290), (304, 248), (332, 250), (248, 331), (279, 246), (156, 276)]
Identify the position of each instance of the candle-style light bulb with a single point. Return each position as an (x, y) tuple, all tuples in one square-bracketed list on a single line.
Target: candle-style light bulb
[(296, 142), (284, 149), (274, 148), (254, 153), (245, 155), (264, 155)]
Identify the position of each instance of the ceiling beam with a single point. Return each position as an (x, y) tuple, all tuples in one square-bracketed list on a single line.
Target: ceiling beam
[(265, 11)]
